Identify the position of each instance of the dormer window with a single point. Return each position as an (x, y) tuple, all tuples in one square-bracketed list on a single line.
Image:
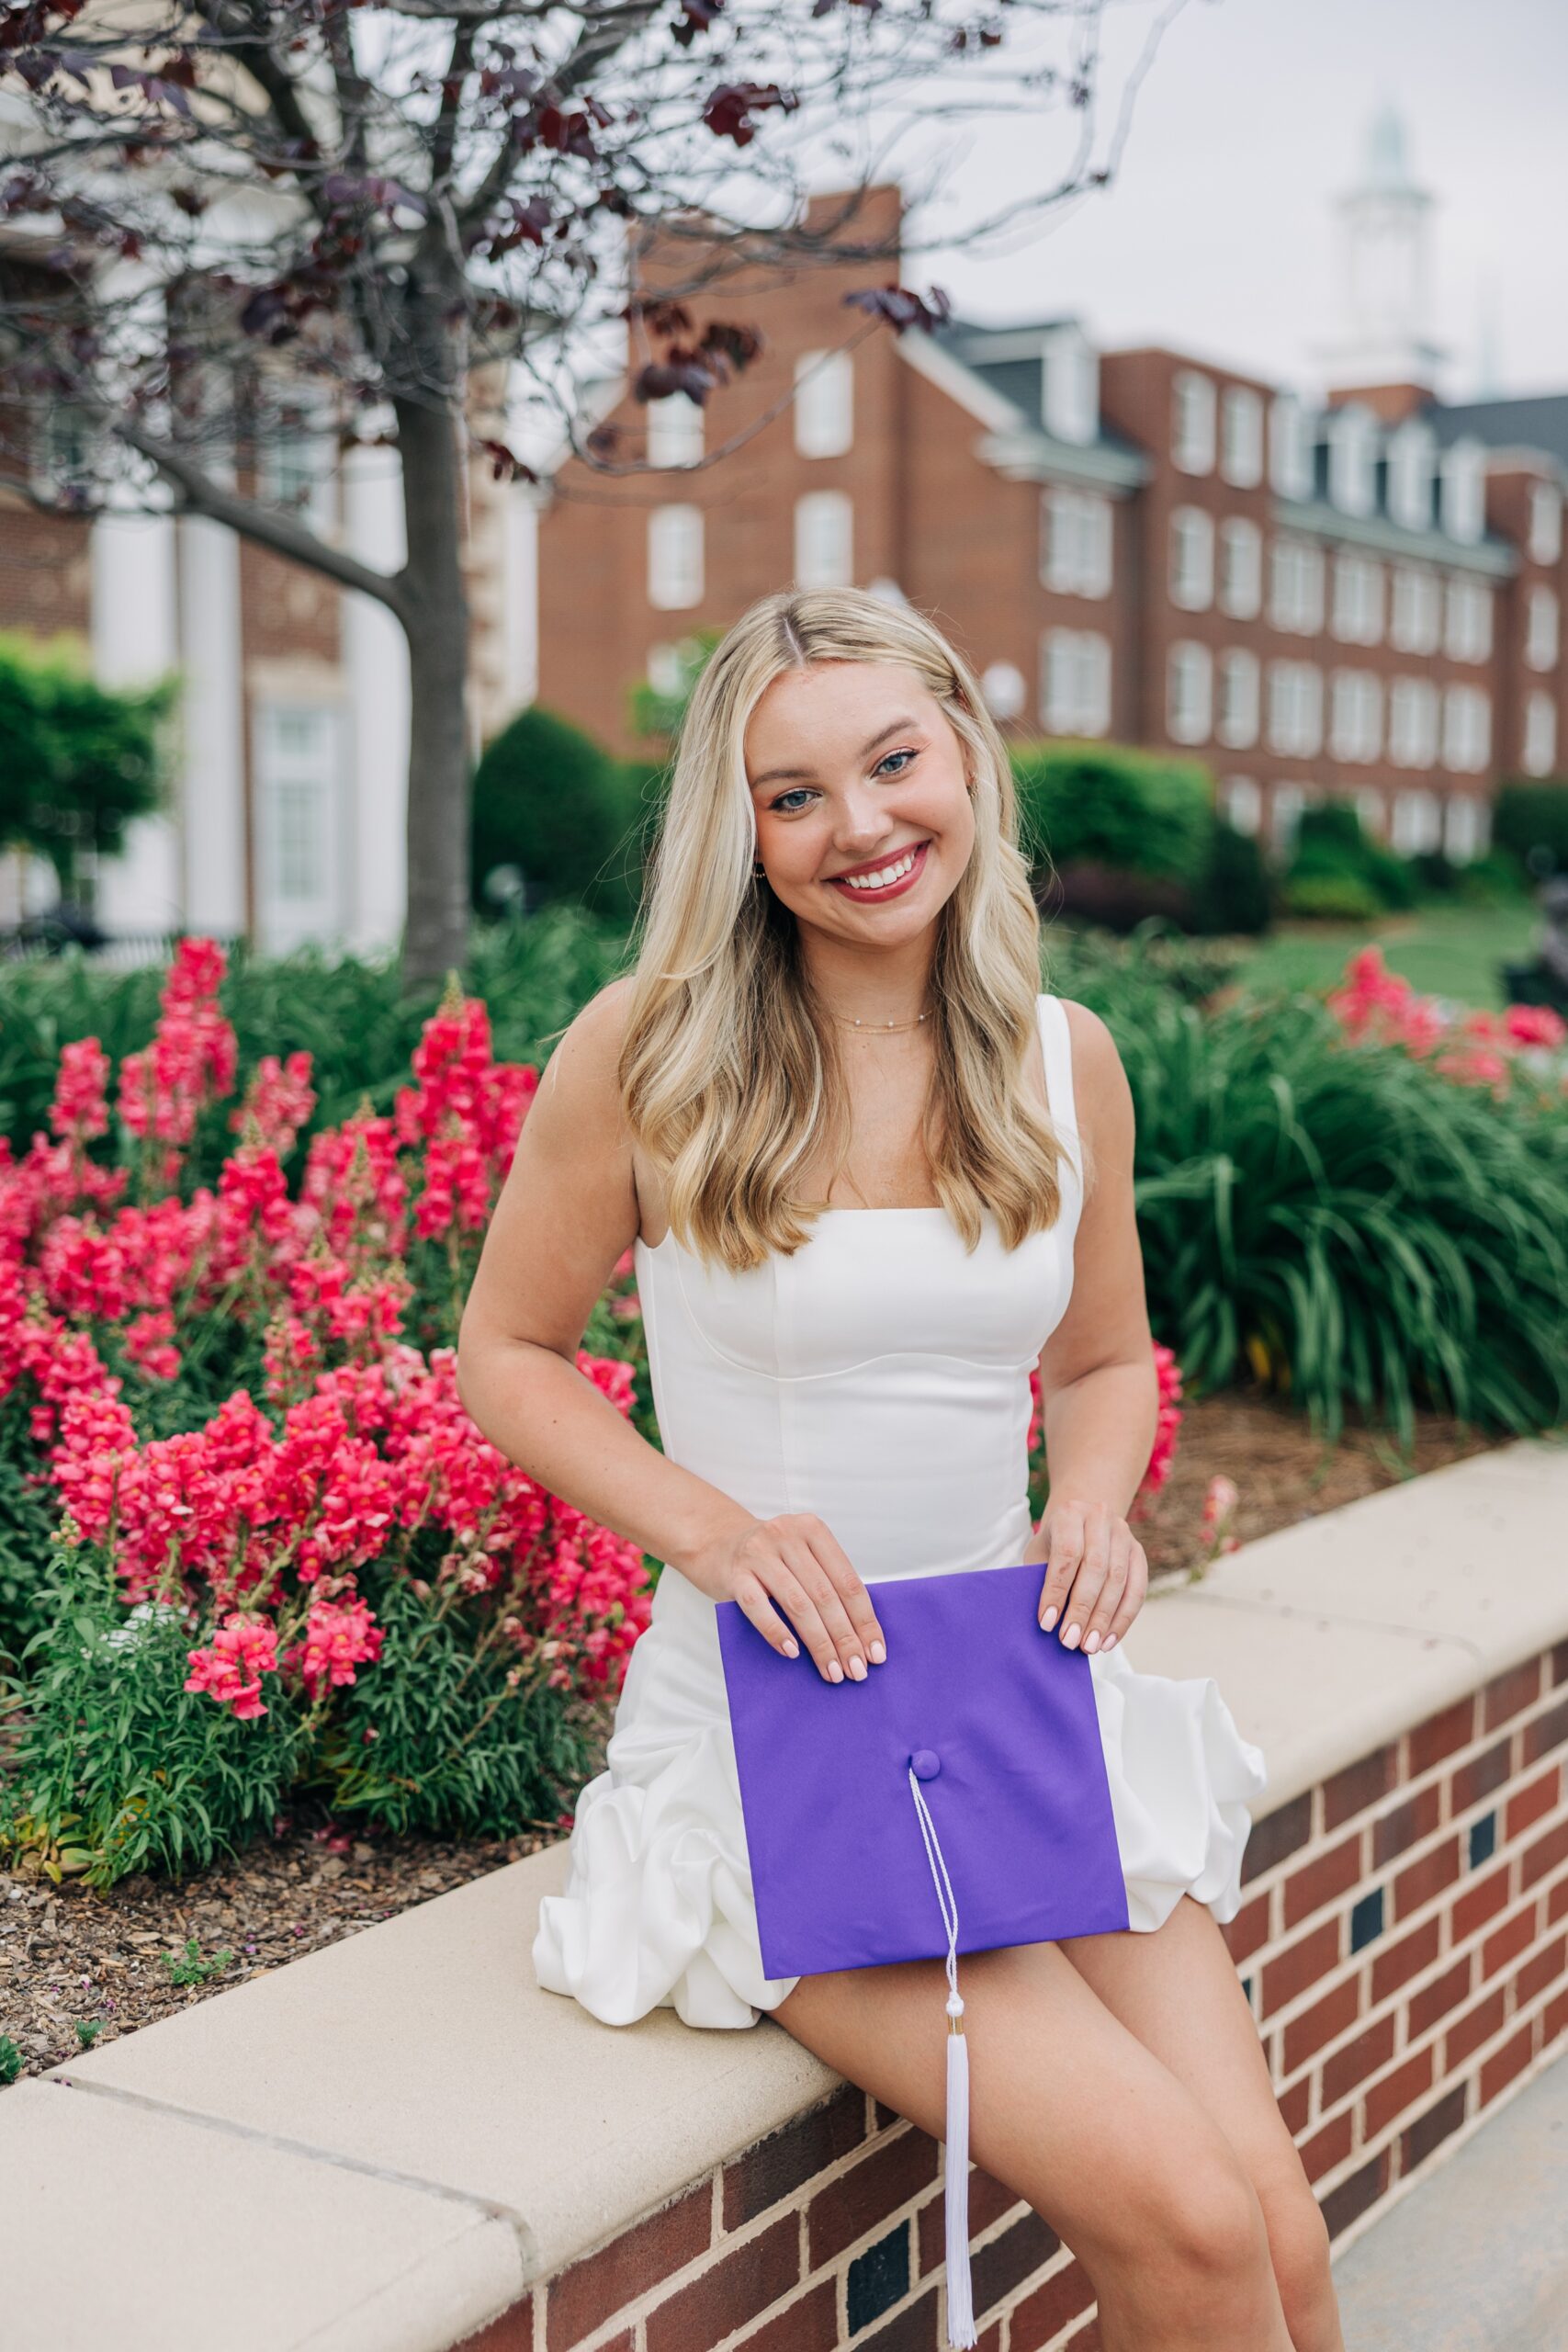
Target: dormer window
[(1290, 449), (1411, 455), (1070, 390), (1192, 422), (1352, 458), (1463, 491)]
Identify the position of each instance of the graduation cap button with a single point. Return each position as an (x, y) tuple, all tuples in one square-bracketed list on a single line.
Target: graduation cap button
[(927, 1763)]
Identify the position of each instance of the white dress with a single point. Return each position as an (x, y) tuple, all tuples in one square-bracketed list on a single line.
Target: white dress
[(879, 1377)]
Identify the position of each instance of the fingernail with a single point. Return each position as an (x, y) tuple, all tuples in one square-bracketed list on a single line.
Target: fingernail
[(792, 1649), (1110, 1640), (878, 1654), (835, 1671), (1092, 1643), (1049, 1618), (857, 1667), (1071, 1638)]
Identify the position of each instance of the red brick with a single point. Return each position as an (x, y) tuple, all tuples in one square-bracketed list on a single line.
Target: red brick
[(1402, 1961), (1324, 2022), (1477, 1778), (1542, 1968), (808, 2324), (513, 2330), (1549, 1730), (988, 2201), (1248, 1929), (787, 2159), (1467, 2033), (1509, 1694), (1504, 1943), (1392, 1832), (1001, 2267), (1428, 1875), (1556, 1901), (1360, 1785), (1557, 1655), (1301, 1964), (592, 2291), (1439, 1735), (1533, 1802), (1544, 1855), (1313, 1883), (1358, 2060), (1396, 2092), (1481, 1901), (1328, 2146), (1443, 1993), (1276, 1836), (1505, 2063), (912, 2330), (1087, 2338), (1048, 2309), (1352, 2197), (869, 2193), (1554, 2018), (1418, 2140), (737, 2288)]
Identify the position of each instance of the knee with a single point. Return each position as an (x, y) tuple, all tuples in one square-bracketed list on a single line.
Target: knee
[(1298, 2249), (1216, 2231)]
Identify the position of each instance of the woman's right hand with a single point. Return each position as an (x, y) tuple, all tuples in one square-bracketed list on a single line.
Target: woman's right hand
[(797, 1561)]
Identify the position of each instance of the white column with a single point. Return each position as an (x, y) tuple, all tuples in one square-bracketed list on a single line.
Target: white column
[(520, 545), (214, 765), (135, 642), (375, 662)]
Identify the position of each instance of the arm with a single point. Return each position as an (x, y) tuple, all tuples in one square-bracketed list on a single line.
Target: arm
[(566, 1213), (1100, 1393)]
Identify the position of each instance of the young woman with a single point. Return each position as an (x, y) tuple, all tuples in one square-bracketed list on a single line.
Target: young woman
[(870, 1175)]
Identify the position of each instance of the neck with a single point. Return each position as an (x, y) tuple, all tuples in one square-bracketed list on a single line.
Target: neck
[(892, 984)]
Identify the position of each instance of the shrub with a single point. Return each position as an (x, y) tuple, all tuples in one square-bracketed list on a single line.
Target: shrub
[(1337, 871), (287, 1555), (550, 801), (1232, 899), (1531, 820), (1331, 897), (1107, 806)]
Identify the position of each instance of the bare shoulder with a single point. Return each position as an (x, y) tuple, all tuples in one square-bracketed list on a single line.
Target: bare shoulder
[(580, 1077)]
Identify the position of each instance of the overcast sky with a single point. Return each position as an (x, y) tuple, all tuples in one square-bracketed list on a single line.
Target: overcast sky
[(1216, 235)]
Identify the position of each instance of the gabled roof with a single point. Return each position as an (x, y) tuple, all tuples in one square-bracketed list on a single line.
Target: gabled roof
[(1536, 422)]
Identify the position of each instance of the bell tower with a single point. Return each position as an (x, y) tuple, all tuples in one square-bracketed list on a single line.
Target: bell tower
[(1382, 227)]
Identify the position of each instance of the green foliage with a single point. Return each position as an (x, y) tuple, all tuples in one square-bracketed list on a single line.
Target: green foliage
[(1532, 819), (552, 802), (10, 2060), (1103, 803), (1233, 897), (28, 1521), (1331, 897), (1338, 872), (188, 1967), (657, 713), (88, 2030), (77, 762)]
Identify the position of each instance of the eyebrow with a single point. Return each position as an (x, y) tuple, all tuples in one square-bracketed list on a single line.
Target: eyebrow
[(800, 775)]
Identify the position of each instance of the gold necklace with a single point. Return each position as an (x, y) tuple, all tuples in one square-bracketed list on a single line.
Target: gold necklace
[(846, 1021)]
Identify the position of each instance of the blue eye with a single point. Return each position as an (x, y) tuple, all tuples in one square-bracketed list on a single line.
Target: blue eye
[(882, 763), (795, 793)]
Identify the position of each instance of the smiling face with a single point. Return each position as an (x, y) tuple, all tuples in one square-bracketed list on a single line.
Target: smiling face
[(864, 820)]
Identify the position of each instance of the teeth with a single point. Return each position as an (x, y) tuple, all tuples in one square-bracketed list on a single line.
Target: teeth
[(884, 875)]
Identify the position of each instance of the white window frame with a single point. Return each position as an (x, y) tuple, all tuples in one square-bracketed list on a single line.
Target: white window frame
[(1240, 568), (1192, 422), (1461, 471), (675, 558), (1076, 531), (1241, 804), (298, 772), (1467, 730), (1296, 586), (1357, 602), (1413, 723), (1467, 619), (1352, 458), (1411, 456), (1415, 827), (1415, 610), (1189, 692), (1241, 436), (1286, 802), (675, 431), (1465, 827), (1290, 470), (824, 539), (1239, 699), (1191, 583), (1546, 523), (1543, 627), (1538, 754), (824, 404), (1295, 709), (1355, 722), (1075, 683), (1070, 395)]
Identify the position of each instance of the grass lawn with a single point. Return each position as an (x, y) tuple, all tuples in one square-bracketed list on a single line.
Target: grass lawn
[(1440, 950)]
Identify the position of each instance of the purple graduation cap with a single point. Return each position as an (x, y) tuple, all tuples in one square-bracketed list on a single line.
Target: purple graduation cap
[(954, 1801)]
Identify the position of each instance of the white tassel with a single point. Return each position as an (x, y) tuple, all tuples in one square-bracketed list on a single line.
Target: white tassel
[(955, 2177)]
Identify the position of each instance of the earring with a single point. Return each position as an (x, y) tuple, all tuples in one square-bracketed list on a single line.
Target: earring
[(756, 865)]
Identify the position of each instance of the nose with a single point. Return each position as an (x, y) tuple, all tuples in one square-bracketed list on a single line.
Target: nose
[(864, 820)]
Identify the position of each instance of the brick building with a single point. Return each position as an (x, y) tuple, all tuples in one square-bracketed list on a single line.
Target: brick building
[(1359, 596)]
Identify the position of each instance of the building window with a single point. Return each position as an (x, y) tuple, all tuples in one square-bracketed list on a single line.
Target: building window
[(674, 558), (1190, 693), (1464, 828), (1411, 451), (1295, 709), (1352, 460), (1241, 438), (1546, 523), (1463, 500), (1005, 690), (666, 672), (1467, 730), (1413, 723), (1542, 629), (1540, 751), (1192, 422), (1241, 569), (824, 403), (1070, 398), (1369, 808), (1467, 620), (1415, 620), (1192, 559), (1241, 803), (1290, 449), (1358, 600), (1237, 725), (297, 774), (824, 540), (1295, 587), (674, 431), (1355, 722), (1417, 825), (1075, 534), (1075, 685), (1285, 805)]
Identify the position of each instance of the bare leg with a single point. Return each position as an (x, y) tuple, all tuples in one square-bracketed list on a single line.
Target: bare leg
[(1075, 2115), (1177, 1991)]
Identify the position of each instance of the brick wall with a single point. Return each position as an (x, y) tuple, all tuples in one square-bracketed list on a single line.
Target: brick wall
[(1403, 1941)]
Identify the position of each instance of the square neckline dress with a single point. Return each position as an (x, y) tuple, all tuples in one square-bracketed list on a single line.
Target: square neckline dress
[(878, 1377)]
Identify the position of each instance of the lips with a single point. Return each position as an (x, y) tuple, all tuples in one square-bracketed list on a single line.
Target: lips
[(903, 867)]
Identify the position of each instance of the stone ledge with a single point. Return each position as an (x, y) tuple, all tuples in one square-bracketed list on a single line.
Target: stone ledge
[(418, 2069)]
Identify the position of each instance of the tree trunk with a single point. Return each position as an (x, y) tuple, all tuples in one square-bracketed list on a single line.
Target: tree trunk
[(436, 620)]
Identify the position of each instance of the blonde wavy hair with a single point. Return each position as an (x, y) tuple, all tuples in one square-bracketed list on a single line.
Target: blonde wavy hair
[(729, 1072)]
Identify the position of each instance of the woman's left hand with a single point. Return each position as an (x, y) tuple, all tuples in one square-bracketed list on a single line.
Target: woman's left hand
[(1097, 1574)]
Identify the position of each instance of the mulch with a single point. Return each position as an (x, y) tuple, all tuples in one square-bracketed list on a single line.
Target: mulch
[(80, 1967)]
